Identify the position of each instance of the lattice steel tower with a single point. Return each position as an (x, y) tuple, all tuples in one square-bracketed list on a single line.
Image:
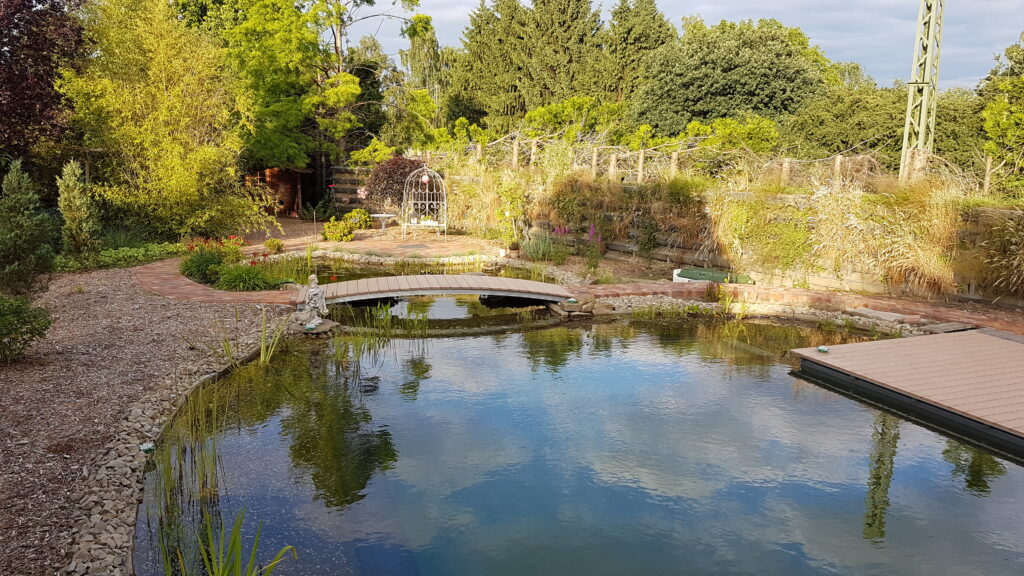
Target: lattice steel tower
[(919, 131)]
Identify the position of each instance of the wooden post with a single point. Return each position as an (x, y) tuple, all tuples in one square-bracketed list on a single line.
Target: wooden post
[(673, 168), (787, 167), (837, 167), (515, 153), (479, 151), (988, 174), (533, 152), (613, 166), (640, 166), (593, 163)]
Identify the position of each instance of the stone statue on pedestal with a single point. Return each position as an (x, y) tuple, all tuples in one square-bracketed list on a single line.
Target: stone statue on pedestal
[(316, 304)]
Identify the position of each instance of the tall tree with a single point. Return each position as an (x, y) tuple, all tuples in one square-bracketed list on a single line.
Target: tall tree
[(731, 67), (156, 99), (38, 37), (562, 51), (636, 29), (274, 50), (492, 72), (1004, 118)]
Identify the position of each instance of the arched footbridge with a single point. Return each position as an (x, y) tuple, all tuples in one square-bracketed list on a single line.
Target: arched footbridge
[(438, 284)]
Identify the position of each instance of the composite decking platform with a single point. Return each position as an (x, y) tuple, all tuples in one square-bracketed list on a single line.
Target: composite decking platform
[(971, 383), (439, 284)]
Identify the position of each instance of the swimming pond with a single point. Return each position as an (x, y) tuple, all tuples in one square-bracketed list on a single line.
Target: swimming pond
[(615, 447)]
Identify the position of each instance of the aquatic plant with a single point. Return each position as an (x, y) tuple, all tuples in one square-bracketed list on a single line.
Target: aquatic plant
[(269, 339), (225, 556)]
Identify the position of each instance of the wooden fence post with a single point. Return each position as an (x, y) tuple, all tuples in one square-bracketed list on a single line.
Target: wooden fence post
[(533, 152), (988, 174), (640, 166), (613, 166), (593, 163), (673, 168), (479, 151), (787, 168), (515, 153), (837, 167)]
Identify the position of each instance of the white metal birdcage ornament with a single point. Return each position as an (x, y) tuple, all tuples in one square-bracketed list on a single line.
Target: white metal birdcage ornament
[(425, 202)]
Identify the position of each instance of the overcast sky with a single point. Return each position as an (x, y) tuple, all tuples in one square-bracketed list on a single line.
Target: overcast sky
[(879, 34)]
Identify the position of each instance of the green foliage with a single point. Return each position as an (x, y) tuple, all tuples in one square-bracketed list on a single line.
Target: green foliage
[(274, 245), (273, 49), (21, 324), (359, 219), (80, 234), (636, 30), (203, 265), (386, 182), (124, 257), (26, 234), (242, 278), (562, 36), (512, 210), (375, 152), (338, 230), (226, 555), (725, 69), (746, 131), (1004, 119), (157, 99), (844, 118), (573, 117)]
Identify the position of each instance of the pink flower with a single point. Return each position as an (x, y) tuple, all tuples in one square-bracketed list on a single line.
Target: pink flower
[(425, 179)]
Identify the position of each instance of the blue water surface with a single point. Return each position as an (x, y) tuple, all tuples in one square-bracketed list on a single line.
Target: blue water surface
[(595, 449)]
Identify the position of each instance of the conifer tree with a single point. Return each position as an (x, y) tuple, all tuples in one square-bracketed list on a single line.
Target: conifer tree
[(80, 233), (564, 51), (636, 29), (492, 72)]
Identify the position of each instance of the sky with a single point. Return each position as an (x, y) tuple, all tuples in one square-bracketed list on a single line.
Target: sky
[(878, 34)]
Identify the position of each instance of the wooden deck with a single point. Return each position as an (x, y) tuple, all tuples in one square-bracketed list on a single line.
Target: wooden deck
[(427, 285), (971, 383)]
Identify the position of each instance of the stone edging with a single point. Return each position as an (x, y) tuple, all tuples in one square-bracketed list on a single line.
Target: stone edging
[(109, 496)]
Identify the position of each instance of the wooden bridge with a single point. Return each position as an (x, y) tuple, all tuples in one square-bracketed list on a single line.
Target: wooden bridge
[(437, 284), (969, 383)]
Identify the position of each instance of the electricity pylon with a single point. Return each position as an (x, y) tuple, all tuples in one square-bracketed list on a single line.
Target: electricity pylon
[(919, 131)]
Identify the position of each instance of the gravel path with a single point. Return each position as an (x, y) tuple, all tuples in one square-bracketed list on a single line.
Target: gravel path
[(111, 344)]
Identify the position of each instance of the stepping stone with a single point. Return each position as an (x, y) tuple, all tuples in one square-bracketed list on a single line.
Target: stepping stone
[(878, 315), (947, 327)]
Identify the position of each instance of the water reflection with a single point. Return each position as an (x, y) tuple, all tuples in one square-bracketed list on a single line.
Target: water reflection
[(610, 448), (977, 467), (885, 438)]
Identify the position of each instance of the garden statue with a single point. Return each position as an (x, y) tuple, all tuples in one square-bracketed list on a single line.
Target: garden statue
[(316, 304)]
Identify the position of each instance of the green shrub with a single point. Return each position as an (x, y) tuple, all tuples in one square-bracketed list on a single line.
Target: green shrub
[(243, 278), (80, 233), (129, 257), (545, 249), (125, 236), (21, 324), (359, 219), (274, 245), (27, 234), (338, 231), (202, 265)]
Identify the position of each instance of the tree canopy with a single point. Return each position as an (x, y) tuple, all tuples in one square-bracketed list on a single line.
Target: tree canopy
[(722, 70)]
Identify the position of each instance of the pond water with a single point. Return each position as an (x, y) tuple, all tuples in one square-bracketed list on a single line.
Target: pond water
[(618, 447)]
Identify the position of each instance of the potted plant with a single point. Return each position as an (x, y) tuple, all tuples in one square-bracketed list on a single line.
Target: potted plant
[(513, 250)]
